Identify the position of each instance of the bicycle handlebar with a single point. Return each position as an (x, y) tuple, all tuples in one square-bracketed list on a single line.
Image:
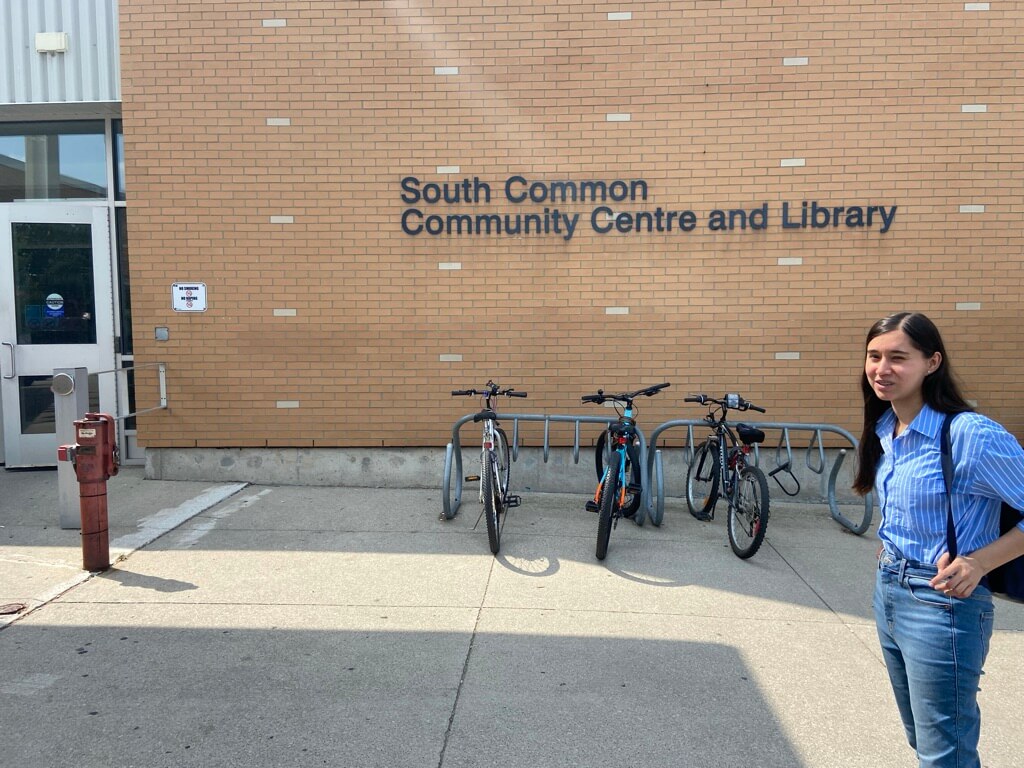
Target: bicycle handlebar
[(730, 401), (624, 397), (488, 392)]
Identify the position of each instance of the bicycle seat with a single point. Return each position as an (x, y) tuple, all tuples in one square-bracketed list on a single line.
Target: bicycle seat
[(485, 414), (749, 435)]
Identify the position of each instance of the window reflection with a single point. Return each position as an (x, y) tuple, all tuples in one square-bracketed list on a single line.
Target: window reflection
[(52, 161), (119, 185), (54, 296), (38, 415)]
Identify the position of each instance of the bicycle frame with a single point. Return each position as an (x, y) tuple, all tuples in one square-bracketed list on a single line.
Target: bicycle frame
[(731, 459), (621, 435)]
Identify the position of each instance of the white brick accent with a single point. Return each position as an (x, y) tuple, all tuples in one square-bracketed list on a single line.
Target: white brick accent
[(279, 121), (791, 261), (968, 306), (447, 169), (450, 358), (616, 310), (618, 117), (793, 162), (620, 16), (285, 313), (795, 61), (450, 265), (282, 219), (974, 108), (972, 209), (287, 403), (787, 355), (976, 6), (446, 70), (275, 22)]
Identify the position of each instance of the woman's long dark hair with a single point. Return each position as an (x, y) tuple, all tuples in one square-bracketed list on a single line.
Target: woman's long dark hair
[(940, 389)]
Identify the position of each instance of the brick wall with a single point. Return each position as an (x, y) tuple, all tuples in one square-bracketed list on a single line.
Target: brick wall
[(266, 143)]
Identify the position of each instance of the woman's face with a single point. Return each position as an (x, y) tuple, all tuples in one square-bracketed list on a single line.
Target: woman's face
[(896, 369)]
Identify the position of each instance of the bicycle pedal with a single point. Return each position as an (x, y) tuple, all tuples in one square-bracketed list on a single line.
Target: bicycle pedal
[(513, 501), (634, 488), (591, 506), (472, 478)]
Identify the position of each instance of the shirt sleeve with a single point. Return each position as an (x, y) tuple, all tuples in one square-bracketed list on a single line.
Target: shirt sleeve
[(993, 460)]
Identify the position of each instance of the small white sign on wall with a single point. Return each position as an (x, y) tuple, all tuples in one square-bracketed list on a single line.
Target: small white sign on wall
[(188, 297)]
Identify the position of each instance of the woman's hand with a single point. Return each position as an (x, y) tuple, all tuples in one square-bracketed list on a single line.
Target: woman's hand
[(957, 578), (960, 577)]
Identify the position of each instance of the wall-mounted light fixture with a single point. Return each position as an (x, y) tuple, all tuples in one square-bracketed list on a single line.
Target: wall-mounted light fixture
[(51, 42)]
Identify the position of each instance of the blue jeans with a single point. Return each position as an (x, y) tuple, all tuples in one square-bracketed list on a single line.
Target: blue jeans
[(934, 648)]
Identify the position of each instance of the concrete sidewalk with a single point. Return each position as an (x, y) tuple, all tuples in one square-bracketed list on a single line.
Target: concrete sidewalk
[(294, 626)]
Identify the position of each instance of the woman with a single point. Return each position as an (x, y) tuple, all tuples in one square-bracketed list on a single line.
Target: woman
[(933, 615)]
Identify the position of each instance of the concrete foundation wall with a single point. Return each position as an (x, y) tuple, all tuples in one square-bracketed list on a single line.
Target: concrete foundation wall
[(424, 468)]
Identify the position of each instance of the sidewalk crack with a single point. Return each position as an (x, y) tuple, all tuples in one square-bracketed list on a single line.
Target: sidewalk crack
[(465, 669)]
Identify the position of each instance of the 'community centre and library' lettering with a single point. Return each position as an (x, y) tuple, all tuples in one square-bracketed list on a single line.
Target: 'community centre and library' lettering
[(605, 219)]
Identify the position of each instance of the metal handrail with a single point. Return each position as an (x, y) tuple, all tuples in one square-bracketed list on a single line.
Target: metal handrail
[(162, 378), (453, 456), (815, 460)]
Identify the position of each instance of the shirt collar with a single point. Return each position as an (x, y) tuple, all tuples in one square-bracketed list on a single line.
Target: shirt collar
[(928, 422)]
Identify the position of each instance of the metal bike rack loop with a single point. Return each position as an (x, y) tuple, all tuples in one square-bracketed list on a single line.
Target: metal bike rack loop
[(453, 457), (814, 458)]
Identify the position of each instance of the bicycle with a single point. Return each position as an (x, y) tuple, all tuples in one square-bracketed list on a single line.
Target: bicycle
[(495, 466), (619, 487), (719, 468)]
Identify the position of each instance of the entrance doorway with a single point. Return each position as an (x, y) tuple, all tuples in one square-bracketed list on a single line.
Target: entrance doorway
[(56, 311)]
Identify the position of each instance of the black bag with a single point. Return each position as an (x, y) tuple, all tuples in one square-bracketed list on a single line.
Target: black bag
[(1006, 581)]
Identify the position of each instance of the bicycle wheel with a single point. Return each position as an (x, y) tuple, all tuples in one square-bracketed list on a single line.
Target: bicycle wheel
[(492, 502), (702, 481), (609, 499), (748, 516), (501, 453), (632, 472)]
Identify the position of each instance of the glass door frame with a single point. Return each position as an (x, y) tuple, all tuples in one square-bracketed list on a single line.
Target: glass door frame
[(18, 360)]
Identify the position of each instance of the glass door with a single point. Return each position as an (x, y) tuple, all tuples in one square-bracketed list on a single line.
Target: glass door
[(56, 311)]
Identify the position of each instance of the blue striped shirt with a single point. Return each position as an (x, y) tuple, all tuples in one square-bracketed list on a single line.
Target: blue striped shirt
[(988, 467)]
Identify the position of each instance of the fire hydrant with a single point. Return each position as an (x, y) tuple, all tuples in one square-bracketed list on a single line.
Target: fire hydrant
[(95, 459)]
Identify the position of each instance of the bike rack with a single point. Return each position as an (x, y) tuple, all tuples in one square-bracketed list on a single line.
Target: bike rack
[(453, 455), (815, 460)]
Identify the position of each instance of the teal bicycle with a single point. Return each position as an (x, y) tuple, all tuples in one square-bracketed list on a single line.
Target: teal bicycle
[(619, 488)]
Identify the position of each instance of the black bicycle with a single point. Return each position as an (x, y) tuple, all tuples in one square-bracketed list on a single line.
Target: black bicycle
[(719, 468), (619, 488), (495, 464)]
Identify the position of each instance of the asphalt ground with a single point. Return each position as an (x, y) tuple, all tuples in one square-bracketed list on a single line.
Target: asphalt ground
[(310, 626)]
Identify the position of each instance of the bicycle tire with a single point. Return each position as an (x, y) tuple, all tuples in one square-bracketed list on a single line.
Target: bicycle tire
[(606, 505), (504, 460), (632, 471), (702, 479), (492, 503), (748, 516)]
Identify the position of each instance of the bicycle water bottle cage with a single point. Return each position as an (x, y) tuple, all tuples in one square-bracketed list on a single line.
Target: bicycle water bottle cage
[(749, 435), (485, 414)]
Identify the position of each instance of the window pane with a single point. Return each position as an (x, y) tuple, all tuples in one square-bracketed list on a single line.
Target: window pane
[(121, 232), (119, 187), (54, 297), (52, 161), (38, 416)]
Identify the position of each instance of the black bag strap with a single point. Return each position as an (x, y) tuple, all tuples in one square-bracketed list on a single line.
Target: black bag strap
[(947, 476)]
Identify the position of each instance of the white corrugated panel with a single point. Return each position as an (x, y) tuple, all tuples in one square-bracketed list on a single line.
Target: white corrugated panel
[(90, 69)]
